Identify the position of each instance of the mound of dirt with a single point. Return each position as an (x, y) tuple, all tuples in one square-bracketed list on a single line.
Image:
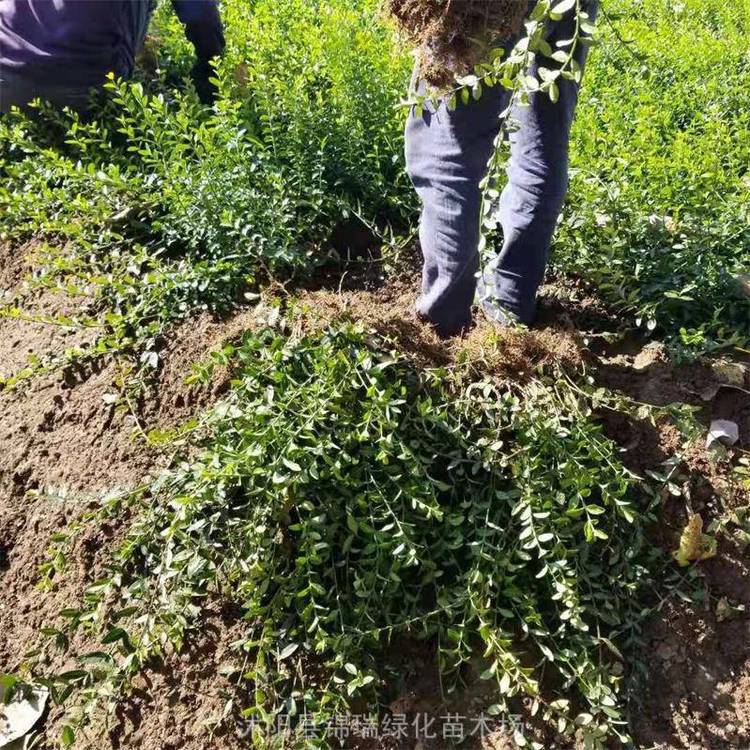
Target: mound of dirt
[(454, 35), (70, 429), (645, 445), (170, 400), (184, 703), (26, 527), (180, 703), (33, 337), (13, 264), (387, 309), (721, 390), (66, 439), (60, 432)]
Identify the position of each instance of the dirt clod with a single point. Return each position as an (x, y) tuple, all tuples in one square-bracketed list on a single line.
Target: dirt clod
[(454, 35)]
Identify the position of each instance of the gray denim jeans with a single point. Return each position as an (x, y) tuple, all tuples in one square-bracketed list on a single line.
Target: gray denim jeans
[(447, 154)]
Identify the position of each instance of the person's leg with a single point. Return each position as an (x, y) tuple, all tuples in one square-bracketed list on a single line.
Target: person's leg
[(142, 11), (137, 19), (447, 154), (16, 90), (532, 200), (12, 92)]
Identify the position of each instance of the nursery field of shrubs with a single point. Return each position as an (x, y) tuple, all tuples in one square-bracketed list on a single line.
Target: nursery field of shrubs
[(247, 499)]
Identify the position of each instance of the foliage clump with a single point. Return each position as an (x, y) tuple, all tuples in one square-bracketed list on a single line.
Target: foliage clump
[(342, 498), (657, 218)]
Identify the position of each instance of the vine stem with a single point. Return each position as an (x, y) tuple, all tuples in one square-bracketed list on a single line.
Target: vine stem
[(518, 87)]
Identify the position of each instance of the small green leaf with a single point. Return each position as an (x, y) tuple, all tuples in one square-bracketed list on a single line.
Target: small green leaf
[(67, 736)]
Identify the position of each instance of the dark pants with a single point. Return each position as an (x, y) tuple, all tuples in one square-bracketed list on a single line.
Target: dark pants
[(447, 155), (18, 88)]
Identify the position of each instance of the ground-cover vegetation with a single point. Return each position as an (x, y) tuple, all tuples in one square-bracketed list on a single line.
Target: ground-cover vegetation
[(158, 207), (339, 497), (344, 499), (658, 214)]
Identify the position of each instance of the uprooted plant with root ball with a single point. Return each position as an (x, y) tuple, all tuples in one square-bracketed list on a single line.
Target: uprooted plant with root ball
[(338, 498)]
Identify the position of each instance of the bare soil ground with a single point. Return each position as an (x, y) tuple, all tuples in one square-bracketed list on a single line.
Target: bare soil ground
[(63, 443)]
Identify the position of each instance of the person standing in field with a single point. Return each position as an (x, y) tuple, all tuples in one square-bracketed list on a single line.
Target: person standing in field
[(447, 154), (61, 50)]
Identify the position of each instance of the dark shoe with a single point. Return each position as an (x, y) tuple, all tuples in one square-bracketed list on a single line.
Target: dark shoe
[(446, 330)]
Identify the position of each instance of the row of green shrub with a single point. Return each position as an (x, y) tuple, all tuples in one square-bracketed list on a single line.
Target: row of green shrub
[(172, 207), (158, 207), (659, 213)]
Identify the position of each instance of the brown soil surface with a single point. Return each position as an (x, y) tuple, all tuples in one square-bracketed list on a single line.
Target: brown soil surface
[(171, 401), (697, 695), (183, 702), (62, 446), (177, 704), (721, 389), (34, 336), (61, 440), (13, 265)]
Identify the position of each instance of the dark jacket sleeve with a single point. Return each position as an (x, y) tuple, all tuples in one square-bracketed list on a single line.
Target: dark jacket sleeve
[(203, 26)]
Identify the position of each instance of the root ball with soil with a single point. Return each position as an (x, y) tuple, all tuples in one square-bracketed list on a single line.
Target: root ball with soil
[(453, 36)]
